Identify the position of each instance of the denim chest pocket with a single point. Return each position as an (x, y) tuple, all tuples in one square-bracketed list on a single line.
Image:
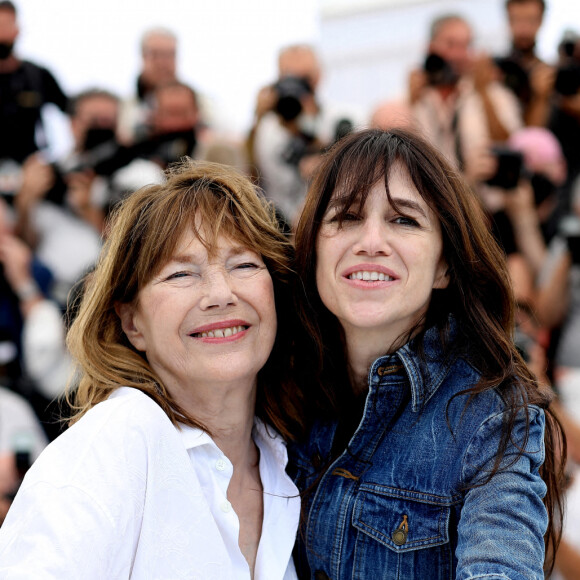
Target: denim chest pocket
[(402, 520)]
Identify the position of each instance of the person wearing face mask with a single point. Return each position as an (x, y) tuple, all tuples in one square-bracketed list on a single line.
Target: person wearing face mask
[(430, 450), (292, 126), (25, 88), (61, 207), (173, 466)]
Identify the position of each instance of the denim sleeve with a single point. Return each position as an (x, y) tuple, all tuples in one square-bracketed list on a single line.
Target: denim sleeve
[(502, 523)]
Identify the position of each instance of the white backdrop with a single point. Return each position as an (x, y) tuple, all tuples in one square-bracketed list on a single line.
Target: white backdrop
[(227, 48)]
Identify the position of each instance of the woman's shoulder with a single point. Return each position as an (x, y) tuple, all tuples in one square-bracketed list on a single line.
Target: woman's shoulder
[(115, 432)]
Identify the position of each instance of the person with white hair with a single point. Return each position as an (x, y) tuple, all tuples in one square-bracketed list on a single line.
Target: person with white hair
[(159, 66)]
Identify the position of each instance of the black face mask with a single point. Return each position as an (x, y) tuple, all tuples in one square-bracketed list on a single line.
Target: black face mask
[(543, 187), (6, 49), (96, 136)]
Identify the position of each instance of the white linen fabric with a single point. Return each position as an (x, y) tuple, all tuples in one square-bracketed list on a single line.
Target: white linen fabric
[(123, 494)]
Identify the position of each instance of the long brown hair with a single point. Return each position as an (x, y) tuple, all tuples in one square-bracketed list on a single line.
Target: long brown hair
[(144, 233), (478, 295)]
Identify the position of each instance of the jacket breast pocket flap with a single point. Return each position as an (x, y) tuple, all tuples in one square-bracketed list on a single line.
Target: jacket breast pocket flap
[(400, 523)]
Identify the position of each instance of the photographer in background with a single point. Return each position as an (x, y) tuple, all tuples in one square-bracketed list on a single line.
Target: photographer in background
[(530, 78), (559, 289), (565, 115), (60, 208), (158, 67), (25, 90), (291, 128), (458, 102)]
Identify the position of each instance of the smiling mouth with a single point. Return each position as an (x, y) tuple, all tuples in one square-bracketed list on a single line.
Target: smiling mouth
[(220, 332), (370, 275)]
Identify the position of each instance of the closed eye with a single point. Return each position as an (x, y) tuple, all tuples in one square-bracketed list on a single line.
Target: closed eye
[(247, 266), (177, 275)]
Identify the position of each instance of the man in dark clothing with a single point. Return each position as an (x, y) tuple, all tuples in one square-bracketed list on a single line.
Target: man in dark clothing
[(24, 89)]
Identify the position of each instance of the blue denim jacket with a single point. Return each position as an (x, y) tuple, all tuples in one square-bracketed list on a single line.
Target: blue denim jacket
[(394, 505)]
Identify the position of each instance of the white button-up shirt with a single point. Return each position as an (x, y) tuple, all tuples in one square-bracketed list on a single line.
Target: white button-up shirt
[(124, 494)]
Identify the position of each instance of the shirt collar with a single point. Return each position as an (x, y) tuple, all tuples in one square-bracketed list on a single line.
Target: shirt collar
[(426, 373), (264, 435)]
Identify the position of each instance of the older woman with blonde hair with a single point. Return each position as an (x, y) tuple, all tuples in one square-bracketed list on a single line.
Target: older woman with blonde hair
[(172, 467)]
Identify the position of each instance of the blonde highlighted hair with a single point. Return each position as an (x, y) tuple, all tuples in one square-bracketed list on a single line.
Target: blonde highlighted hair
[(144, 232)]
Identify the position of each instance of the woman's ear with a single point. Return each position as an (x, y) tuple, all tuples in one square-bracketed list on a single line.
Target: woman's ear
[(126, 313), (441, 276)]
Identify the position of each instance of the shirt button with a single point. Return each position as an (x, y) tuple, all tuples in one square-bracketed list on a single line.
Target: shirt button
[(221, 465), (226, 507)]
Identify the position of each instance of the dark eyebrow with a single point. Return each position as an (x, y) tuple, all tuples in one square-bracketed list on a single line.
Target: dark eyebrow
[(404, 203)]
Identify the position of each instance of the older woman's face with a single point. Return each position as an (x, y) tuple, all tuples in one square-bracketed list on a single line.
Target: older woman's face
[(376, 273), (205, 320)]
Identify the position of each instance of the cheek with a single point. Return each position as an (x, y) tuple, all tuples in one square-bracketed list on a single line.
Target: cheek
[(266, 302), (325, 266)]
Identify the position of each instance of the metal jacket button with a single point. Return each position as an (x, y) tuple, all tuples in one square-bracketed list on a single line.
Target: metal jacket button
[(399, 536), (320, 575)]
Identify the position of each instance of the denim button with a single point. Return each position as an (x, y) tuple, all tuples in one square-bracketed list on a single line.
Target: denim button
[(320, 575), (399, 537)]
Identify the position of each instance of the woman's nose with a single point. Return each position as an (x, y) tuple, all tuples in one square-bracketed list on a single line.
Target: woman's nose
[(217, 291), (374, 238)]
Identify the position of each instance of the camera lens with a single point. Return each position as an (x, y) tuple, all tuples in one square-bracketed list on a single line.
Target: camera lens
[(290, 91)]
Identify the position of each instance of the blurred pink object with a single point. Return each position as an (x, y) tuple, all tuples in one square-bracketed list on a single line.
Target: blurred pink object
[(541, 150)]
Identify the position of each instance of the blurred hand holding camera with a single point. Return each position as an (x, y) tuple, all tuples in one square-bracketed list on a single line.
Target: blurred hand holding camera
[(484, 72), (480, 164), (417, 83), (265, 101), (542, 78), (37, 178)]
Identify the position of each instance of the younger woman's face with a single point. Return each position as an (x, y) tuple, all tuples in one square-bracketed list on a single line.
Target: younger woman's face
[(376, 273)]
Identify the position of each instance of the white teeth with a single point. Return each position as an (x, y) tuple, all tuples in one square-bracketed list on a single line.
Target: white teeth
[(221, 332), (370, 275)]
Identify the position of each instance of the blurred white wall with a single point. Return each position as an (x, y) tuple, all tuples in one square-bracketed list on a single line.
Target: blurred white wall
[(369, 46), (228, 48)]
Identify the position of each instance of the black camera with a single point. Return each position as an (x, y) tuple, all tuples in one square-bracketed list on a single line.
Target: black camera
[(439, 72), (514, 77), (509, 168), (567, 81), (290, 90), (105, 157)]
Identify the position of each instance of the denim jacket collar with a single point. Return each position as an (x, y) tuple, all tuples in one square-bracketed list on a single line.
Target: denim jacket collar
[(425, 374)]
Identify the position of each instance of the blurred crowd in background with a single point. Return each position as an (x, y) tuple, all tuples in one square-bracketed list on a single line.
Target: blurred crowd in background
[(509, 123)]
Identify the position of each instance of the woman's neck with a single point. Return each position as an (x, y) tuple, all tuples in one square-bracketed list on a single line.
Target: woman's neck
[(226, 410), (361, 353)]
